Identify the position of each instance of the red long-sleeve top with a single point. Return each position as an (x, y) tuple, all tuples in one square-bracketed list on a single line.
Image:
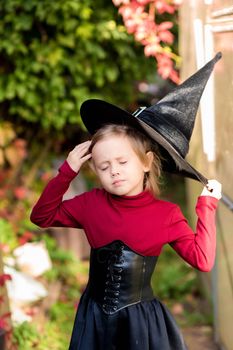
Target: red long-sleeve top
[(142, 222)]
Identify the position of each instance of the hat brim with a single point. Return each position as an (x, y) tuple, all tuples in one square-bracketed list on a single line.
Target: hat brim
[(96, 113)]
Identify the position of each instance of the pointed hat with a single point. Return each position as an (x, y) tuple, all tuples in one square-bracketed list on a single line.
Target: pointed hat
[(169, 122)]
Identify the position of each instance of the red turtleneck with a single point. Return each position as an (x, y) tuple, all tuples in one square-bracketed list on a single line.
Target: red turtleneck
[(142, 222)]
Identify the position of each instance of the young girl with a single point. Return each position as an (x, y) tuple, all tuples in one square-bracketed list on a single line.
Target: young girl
[(127, 225)]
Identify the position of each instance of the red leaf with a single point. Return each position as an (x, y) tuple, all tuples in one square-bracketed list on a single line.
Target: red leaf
[(76, 305), (4, 248), (139, 18), (46, 176), (3, 278), (166, 36), (174, 76), (119, 2), (27, 236), (3, 321), (20, 145), (151, 50), (3, 324), (162, 6), (166, 70), (165, 25), (2, 192), (20, 192), (144, 2)]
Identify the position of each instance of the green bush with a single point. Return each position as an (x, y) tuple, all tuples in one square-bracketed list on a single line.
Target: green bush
[(172, 278), (7, 234), (56, 54), (26, 336)]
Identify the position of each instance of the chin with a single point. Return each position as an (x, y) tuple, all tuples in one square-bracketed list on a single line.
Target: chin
[(117, 191), (124, 193)]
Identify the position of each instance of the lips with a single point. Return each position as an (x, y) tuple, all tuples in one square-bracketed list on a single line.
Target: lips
[(117, 182)]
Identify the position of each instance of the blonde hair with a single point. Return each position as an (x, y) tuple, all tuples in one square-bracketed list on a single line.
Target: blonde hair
[(141, 145)]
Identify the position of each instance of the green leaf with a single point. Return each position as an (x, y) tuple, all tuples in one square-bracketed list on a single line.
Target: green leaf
[(112, 73), (56, 54)]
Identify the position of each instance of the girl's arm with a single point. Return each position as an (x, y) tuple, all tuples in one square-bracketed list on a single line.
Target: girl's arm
[(197, 249), (51, 210)]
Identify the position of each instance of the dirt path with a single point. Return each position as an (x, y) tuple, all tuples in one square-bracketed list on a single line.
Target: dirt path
[(199, 338)]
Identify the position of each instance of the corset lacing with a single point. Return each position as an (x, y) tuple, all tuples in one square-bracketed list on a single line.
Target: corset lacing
[(113, 280), (119, 277)]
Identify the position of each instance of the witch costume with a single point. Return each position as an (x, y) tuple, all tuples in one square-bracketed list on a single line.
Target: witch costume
[(118, 310)]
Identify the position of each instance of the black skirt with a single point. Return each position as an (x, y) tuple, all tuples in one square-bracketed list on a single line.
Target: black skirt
[(125, 315)]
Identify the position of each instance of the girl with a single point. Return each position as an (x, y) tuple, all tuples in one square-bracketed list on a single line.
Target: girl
[(127, 225)]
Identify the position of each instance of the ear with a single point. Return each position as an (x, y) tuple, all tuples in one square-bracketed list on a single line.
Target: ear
[(149, 161)]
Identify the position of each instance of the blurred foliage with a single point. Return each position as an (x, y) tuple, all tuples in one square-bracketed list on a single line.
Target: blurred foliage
[(7, 234), (69, 275), (53, 56), (56, 54), (173, 278), (65, 265), (26, 336)]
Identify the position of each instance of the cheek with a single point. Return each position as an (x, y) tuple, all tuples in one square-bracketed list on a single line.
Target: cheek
[(102, 176), (141, 169)]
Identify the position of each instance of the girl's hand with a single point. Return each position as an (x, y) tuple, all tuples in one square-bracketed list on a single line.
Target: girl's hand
[(213, 189), (78, 156)]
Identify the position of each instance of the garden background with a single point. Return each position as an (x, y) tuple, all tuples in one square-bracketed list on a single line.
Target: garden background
[(53, 56)]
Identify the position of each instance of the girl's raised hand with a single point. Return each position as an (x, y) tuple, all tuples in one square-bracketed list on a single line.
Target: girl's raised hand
[(213, 189), (78, 156)]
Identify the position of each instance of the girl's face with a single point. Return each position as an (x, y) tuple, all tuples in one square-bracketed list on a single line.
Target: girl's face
[(118, 167)]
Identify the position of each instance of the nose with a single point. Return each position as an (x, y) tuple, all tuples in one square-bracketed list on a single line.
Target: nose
[(114, 171)]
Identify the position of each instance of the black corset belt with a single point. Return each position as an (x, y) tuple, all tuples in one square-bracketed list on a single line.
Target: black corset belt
[(119, 277)]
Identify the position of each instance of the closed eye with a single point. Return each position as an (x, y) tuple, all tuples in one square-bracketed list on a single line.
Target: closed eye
[(123, 162), (103, 169)]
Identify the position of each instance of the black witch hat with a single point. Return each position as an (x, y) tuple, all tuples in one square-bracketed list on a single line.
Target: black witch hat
[(169, 122)]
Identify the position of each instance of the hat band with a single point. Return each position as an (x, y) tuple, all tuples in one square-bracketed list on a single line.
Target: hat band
[(166, 130)]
